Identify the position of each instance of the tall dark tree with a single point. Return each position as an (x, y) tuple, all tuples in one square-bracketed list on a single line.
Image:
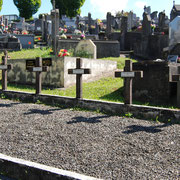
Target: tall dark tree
[(71, 8), (1, 3), (27, 7)]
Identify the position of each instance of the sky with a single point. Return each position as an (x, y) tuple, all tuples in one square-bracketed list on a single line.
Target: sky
[(99, 8)]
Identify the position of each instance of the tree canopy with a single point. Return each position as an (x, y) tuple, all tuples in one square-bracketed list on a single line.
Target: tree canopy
[(1, 3), (71, 8), (27, 7)]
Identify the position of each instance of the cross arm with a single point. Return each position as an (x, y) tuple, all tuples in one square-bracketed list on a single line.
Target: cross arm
[(79, 71), (132, 74), (38, 69)]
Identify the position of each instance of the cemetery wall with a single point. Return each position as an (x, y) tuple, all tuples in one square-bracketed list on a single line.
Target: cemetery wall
[(104, 48), (155, 86), (58, 76)]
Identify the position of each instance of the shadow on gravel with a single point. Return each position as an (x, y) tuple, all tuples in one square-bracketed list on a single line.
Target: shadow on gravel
[(86, 120), (8, 105), (148, 129), (43, 112)]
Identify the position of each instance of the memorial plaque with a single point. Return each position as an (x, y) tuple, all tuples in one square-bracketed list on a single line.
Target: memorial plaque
[(3, 67), (78, 71), (127, 74), (45, 62), (37, 69)]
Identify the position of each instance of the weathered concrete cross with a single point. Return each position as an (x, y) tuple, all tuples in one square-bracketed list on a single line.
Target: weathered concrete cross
[(79, 72), (128, 76), (38, 69), (4, 67)]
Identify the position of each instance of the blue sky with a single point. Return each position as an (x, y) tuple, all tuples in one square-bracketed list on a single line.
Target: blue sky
[(99, 8)]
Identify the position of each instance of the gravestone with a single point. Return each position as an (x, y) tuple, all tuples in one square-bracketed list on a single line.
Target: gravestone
[(146, 24), (130, 20), (10, 42), (161, 22), (89, 22), (38, 26), (96, 28), (55, 29), (108, 26), (87, 46), (174, 32), (77, 22), (123, 31)]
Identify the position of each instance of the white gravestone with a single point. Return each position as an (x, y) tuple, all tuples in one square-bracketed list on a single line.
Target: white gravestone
[(88, 46), (174, 31)]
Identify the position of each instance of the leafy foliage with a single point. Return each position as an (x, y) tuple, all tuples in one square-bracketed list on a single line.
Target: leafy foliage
[(1, 3), (27, 7), (70, 8)]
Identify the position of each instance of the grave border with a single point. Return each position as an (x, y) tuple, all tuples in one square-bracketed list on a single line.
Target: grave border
[(138, 111)]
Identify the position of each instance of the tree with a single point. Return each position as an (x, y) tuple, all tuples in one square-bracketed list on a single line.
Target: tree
[(1, 3), (27, 7), (71, 8)]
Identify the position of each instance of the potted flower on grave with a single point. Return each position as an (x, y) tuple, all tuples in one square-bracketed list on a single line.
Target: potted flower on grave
[(63, 52), (82, 36), (62, 32)]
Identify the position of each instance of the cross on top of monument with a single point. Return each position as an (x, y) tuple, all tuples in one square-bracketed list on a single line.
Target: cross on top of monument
[(54, 4)]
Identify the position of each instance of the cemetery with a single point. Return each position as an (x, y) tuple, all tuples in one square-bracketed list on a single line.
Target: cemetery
[(122, 66)]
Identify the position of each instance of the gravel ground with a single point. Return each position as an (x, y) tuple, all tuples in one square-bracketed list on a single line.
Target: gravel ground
[(107, 147)]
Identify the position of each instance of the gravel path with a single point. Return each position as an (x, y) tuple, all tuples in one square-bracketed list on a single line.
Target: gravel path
[(98, 145)]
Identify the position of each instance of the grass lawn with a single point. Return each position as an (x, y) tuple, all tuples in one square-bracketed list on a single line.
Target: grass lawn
[(108, 89)]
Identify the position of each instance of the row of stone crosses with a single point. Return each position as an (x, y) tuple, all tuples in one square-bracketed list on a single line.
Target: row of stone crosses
[(128, 74)]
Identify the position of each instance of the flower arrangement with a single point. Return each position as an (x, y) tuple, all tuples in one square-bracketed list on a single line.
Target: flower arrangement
[(83, 36), (63, 36), (62, 31), (51, 51), (63, 52), (24, 32)]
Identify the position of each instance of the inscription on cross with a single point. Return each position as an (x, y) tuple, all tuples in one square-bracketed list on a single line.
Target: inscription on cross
[(79, 71), (38, 69), (128, 74), (4, 67)]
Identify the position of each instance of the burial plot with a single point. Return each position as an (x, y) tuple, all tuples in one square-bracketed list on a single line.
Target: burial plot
[(128, 75), (87, 46), (160, 83), (79, 71), (9, 42), (39, 68)]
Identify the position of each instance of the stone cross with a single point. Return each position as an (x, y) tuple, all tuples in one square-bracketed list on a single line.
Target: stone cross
[(4, 67), (128, 76), (39, 68), (79, 71)]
